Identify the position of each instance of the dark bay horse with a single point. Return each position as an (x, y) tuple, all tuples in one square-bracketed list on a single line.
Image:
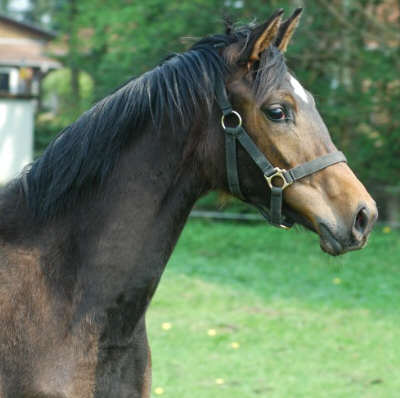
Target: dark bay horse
[(86, 232)]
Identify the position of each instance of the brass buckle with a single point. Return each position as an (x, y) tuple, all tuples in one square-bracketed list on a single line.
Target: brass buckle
[(278, 173)]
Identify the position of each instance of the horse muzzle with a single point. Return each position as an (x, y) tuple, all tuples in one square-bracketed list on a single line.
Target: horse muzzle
[(339, 239)]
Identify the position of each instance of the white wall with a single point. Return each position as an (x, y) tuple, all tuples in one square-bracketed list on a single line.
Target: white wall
[(16, 136), (14, 78)]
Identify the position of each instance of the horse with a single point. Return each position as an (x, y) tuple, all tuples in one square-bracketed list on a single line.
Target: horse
[(87, 229)]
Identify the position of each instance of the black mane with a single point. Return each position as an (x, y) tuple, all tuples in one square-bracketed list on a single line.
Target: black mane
[(83, 154)]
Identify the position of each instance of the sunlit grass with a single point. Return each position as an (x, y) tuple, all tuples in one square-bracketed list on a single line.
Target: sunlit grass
[(254, 311)]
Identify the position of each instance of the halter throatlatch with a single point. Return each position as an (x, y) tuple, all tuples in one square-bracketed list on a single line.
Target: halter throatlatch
[(277, 179)]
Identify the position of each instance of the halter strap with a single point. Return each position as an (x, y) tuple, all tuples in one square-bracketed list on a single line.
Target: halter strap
[(271, 173)]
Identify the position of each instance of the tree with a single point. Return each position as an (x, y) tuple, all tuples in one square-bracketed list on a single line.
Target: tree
[(345, 52)]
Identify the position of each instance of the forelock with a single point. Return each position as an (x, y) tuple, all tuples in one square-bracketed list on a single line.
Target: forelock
[(269, 74)]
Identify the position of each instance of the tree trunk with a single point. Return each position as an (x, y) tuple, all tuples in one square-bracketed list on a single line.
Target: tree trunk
[(73, 53)]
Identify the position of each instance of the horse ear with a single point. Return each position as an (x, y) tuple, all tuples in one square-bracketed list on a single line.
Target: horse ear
[(262, 37), (287, 29)]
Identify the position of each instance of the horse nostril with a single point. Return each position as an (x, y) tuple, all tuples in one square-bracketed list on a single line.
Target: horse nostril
[(360, 224)]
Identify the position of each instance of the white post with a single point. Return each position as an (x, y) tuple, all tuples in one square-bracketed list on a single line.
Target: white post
[(16, 136)]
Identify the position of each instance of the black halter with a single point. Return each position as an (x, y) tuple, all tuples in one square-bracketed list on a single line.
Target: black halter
[(271, 173)]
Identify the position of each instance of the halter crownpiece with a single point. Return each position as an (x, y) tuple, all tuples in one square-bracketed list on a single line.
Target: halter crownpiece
[(271, 174)]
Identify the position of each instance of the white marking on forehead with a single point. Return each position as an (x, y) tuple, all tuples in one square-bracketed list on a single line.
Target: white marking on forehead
[(298, 89)]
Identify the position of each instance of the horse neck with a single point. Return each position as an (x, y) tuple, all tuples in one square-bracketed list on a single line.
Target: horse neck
[(127, 235)]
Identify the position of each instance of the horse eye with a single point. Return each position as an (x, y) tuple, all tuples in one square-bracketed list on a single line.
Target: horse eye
[(276, 113)]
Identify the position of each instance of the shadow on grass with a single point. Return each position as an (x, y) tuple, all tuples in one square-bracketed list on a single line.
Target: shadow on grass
[(289, 264)]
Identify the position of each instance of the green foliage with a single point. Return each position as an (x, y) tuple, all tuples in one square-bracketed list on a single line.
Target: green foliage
[(47, 126), (346, 56), (58, 84), (125, 39), (307, 325)]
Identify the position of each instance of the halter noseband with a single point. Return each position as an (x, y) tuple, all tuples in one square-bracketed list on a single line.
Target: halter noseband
[(271, 173)]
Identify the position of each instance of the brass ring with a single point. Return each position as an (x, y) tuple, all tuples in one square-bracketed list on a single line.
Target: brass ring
[(238, 117)]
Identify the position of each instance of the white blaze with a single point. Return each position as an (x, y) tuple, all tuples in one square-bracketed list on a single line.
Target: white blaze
[(298, 89)]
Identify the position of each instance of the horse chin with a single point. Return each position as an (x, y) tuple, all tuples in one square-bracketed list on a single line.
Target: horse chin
[(328, 242)]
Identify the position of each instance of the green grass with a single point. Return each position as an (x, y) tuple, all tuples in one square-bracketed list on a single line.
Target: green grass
[(308, 325)]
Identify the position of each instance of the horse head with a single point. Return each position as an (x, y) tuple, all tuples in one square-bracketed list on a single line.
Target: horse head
[(261, 100)]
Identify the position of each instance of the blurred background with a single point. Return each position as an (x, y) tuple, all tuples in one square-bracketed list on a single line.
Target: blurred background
[(243, 310), (67, 54)]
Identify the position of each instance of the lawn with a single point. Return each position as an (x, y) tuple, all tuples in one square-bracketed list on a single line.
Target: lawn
[(252, 311)]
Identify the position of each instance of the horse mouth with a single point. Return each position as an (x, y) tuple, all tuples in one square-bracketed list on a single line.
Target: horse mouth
[(329, 242), (332, 241)]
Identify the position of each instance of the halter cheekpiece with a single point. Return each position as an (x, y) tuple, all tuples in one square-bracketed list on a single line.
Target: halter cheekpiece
[(271, 174)]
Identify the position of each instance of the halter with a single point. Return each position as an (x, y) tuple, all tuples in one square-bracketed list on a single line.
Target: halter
[(277, 179)]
